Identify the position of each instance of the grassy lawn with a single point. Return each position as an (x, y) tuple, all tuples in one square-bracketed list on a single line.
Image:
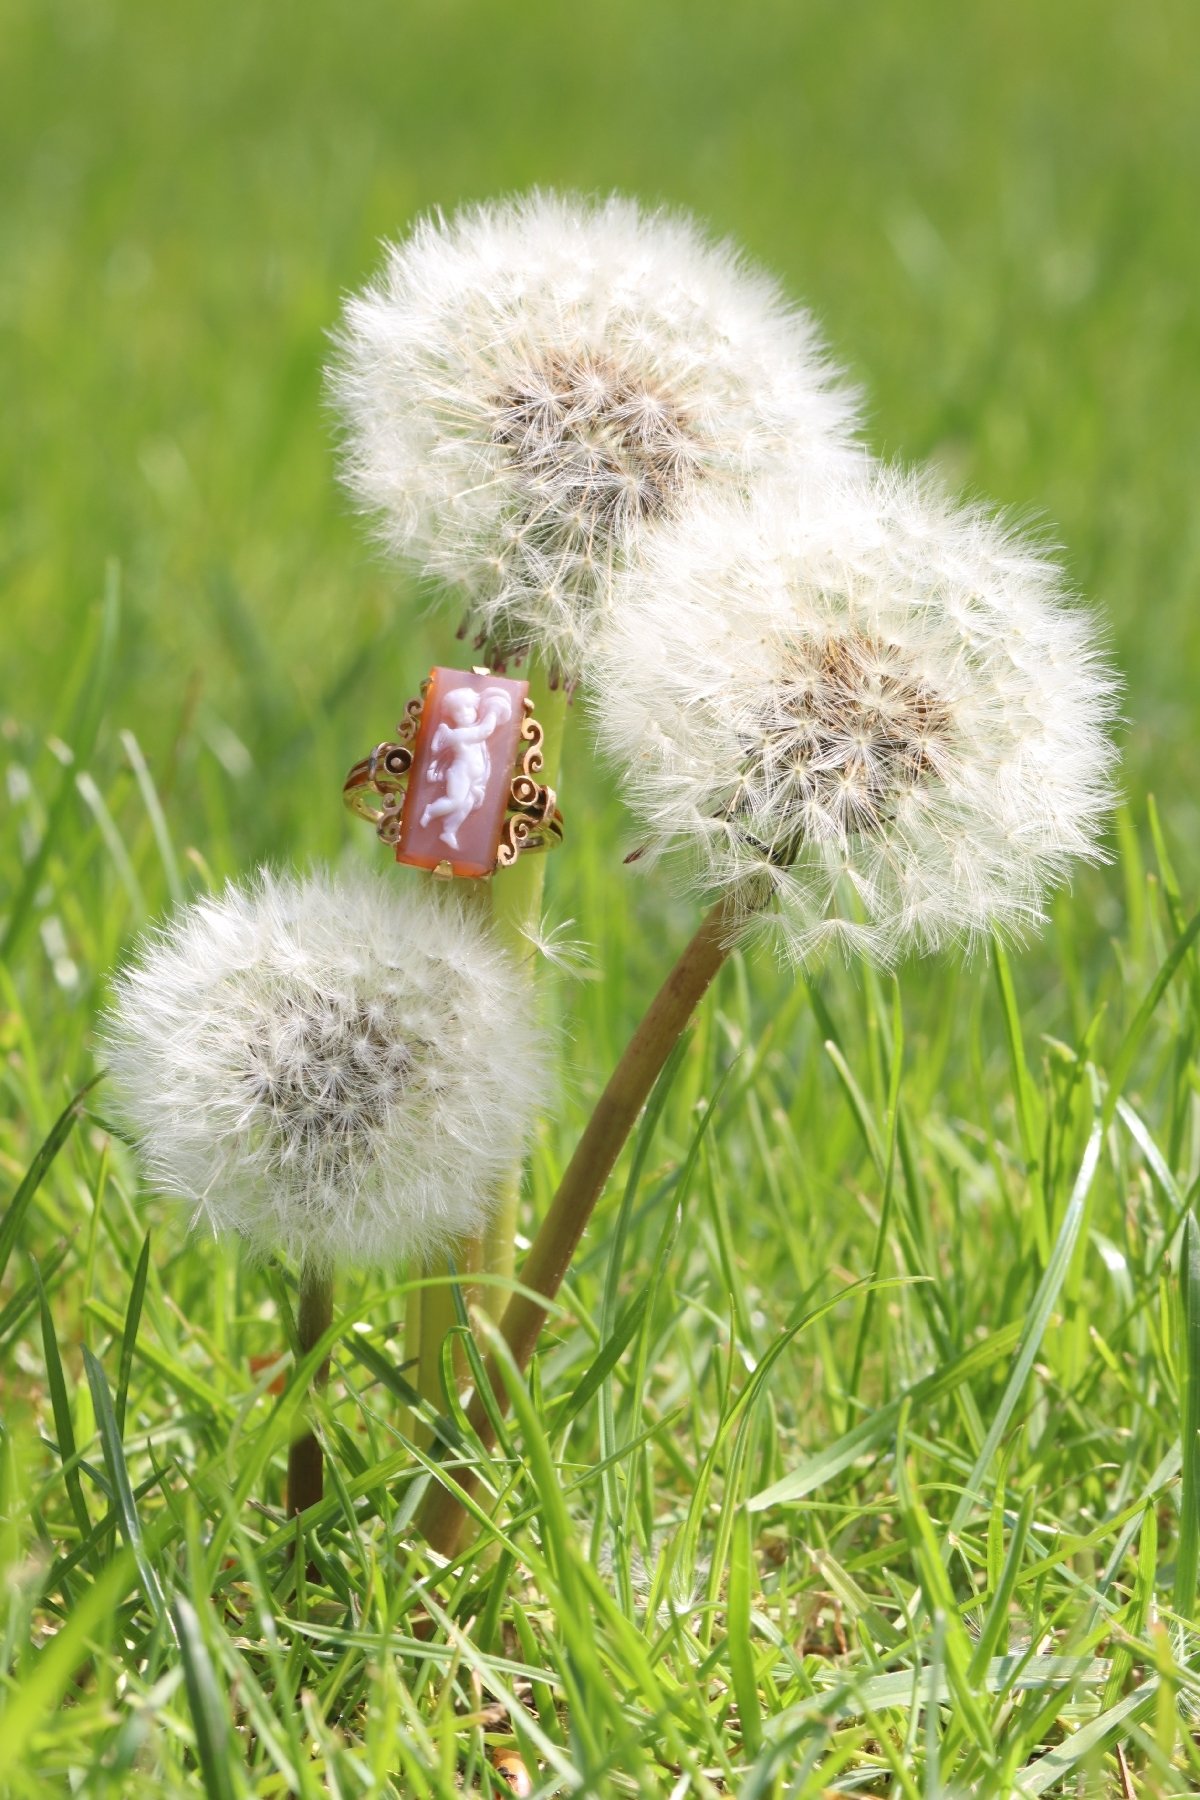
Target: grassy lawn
[(869, 1463)]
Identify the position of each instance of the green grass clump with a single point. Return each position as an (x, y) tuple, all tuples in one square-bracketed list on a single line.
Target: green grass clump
[(870, 1463)]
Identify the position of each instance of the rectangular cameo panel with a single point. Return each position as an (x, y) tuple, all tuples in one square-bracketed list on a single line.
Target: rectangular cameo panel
[(466, 751)]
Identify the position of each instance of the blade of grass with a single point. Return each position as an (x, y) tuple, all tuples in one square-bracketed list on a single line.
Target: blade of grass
[(17, 1310), (214, 1750), (64, 1429), (859, 1107), (889, 1178), (996, 1622), (83, 731), (739, 1605), (1030, 1122), (188, 1385), (18, 1206), (118, 1475), (1124, 1060), (605, 1361), (1189, 1424), (133, 1314), (1056, 1765), (114, 843), (939, 1594), (1034, 1330), (1135, 1615), (158, 819), (643, 1138), (902, 1688), (32, 1702), (879, 1428)]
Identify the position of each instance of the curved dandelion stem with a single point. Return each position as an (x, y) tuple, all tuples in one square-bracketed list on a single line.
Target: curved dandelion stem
[(442, 1519)]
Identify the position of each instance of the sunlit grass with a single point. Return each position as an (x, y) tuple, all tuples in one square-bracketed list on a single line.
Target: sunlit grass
[(855, 1448)]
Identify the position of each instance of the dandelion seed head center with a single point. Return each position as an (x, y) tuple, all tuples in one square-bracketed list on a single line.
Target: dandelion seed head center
[(850, 729), (324, 1076), (598, 446)]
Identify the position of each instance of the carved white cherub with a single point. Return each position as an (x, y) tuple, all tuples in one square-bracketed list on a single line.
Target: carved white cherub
[(460, 758)]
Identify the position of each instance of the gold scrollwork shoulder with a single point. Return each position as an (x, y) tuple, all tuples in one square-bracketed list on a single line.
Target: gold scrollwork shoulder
[(533, 736), (407, 729), (513, 839), (383, 775)]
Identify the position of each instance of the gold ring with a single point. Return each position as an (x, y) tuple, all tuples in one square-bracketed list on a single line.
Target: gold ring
[(457, 789)]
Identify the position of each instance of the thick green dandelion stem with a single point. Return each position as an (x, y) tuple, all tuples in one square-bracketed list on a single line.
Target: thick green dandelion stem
[(430, 1313), (412, 1354), (442, 1519), (306, 1469), (437, 1318), (517, 907)]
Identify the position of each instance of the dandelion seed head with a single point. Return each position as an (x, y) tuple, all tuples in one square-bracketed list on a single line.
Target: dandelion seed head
[(846, 731), (326, 1066), (531, 387), (875, 706)]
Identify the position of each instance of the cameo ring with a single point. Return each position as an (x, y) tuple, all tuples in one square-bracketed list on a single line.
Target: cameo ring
[(457, 791)]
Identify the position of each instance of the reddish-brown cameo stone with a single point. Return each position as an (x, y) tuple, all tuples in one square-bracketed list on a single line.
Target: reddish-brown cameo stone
[(463, 763)]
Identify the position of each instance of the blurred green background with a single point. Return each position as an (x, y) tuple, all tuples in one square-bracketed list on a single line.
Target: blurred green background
[(991, 208)]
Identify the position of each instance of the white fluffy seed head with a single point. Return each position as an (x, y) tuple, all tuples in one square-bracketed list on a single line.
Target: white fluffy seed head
[(336, 1068), (873, 705), (532, 386)]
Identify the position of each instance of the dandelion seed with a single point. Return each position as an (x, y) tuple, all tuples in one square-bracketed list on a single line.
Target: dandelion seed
[(682, 1594), (873, 706), (572, 956), (326, 1067), (532, 386)]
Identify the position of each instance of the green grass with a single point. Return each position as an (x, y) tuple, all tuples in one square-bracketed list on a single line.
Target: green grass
[(872, 1467)]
